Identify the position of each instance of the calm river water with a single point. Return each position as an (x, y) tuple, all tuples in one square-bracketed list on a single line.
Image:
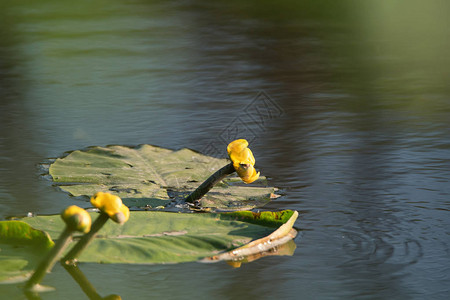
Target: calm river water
[(346, 105)]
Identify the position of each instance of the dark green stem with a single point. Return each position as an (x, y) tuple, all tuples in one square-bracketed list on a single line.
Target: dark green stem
[(32, 295), (210, 182), (82, 281), (85, 240), (64, 239)]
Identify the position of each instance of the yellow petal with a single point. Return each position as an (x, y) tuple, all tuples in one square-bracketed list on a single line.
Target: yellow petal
[(77, 219), (243, 160), (247, 173), (239, 153), (237, 146), (111, 205)]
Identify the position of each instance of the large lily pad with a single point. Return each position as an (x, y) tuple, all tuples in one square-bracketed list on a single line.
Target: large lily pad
[(21, 249), (149, 176), (163, 237)]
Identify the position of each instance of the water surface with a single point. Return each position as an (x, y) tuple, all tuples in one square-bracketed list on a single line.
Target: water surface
[(358, 140)]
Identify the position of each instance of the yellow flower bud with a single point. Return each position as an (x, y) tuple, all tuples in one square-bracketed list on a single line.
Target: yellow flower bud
[(122, 216), (243, 160), (112, 206), (77, 219)]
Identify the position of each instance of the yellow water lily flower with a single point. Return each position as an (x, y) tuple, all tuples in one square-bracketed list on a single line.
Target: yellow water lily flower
[(243, 160), (77, 219), (112, 206)]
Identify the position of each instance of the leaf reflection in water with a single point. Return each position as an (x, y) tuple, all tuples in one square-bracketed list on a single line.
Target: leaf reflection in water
[(286, 249)]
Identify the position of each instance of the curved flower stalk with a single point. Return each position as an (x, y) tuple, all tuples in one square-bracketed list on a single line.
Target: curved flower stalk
[(242, 162), (111, 207), (86, 285), (76, 219)]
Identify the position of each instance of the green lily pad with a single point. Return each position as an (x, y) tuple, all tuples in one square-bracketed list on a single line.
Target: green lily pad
[(21, 249), (151, 237), (149, 176)]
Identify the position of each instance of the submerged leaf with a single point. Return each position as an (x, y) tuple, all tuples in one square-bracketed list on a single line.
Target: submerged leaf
[(21, 249), (265, 218), (149, 176)]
